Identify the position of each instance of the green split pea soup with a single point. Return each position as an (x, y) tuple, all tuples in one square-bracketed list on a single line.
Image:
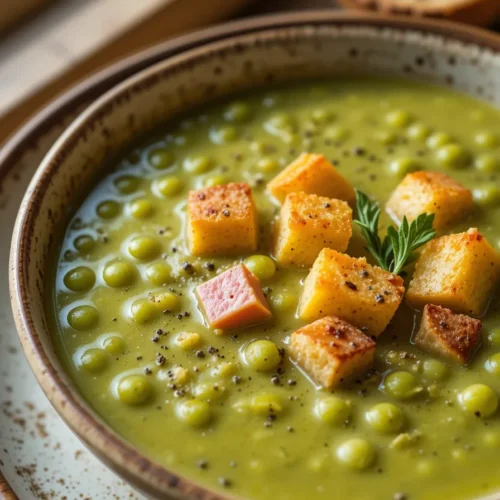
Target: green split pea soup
[(230, 409)]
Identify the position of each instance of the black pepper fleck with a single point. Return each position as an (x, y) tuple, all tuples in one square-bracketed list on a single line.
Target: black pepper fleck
[(351, 285)]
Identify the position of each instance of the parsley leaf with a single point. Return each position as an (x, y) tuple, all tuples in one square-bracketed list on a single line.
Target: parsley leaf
[(396, 249)]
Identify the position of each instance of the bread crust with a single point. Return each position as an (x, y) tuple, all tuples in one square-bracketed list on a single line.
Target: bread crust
[(475, 12), (447, 334)]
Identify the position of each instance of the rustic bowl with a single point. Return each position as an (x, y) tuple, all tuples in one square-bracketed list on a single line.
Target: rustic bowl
[(251, 53)]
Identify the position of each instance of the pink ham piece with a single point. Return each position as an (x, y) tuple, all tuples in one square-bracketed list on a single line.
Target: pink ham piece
[(233, 299)]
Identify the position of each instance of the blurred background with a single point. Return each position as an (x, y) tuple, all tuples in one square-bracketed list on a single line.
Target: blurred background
[(46, 46)]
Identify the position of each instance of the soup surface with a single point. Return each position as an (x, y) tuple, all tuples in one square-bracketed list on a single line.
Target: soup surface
[(127, 243)]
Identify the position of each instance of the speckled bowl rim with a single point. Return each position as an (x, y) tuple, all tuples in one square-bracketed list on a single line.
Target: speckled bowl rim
[(120, 455)]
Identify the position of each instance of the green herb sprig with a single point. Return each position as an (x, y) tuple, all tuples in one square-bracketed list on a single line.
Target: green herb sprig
[(396, 249)]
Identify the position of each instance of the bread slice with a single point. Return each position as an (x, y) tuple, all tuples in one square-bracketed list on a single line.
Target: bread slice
[(476, 12)]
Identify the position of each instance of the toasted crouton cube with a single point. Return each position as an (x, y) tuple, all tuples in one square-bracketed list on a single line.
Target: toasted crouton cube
[(339, 285), (430, 192), (458, 271), (307, 224), (331, 350), (222, 220), (447, 334), (312, 174), (233, 299)]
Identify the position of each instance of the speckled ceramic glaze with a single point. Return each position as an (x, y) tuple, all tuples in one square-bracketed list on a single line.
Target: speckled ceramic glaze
[(276, 49)]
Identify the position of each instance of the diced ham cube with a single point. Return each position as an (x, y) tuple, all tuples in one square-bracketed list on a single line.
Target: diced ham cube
[(233, 299)]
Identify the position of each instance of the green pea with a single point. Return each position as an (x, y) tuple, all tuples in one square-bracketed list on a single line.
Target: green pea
[(491, 439), (144, 248), (141, 209), (261, 265), (215, 180), (488, 163), (336, 133), (209, 391), (262, 355), (332, 410), (114, 345), (84, 244), (321, 116), (284, 302), (237, 112), (434, 370), (385, 137), (169, 186), (401, 385), (194, 412), (492, 364), (258, 147), (419, 132), (265, 404), (94, 360), (119, 273), (403, 166), (83, 317), (487, 196), (144, 311), (290, 138), (479, 400), (280, 121), (486, 140), (452, 156), (159, 273), (223, 135), (426, 468), (161, 158), (80, 279), (134, 390), (356, 454), (494, 336), (385, 418), (398, 119), (166, 301), (438, 140), (108, 209), (127, 184), (267, 164), (198, 165)]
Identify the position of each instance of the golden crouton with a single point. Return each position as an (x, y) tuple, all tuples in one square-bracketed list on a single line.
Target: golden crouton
[(458, 271), (307, 224), (430, 192), (331, 350), (313, 174), (222, 220), (447, 334), (339, 285)]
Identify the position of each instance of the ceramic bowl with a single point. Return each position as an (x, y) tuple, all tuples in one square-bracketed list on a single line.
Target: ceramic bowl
[(251, 53)]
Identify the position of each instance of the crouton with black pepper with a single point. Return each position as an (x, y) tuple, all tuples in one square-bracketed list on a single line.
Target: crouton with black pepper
[(339, 285), (331, 351), (458, 271), (307, 224), (447, 334), (431, 193), (222, 220), (312, 174)]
